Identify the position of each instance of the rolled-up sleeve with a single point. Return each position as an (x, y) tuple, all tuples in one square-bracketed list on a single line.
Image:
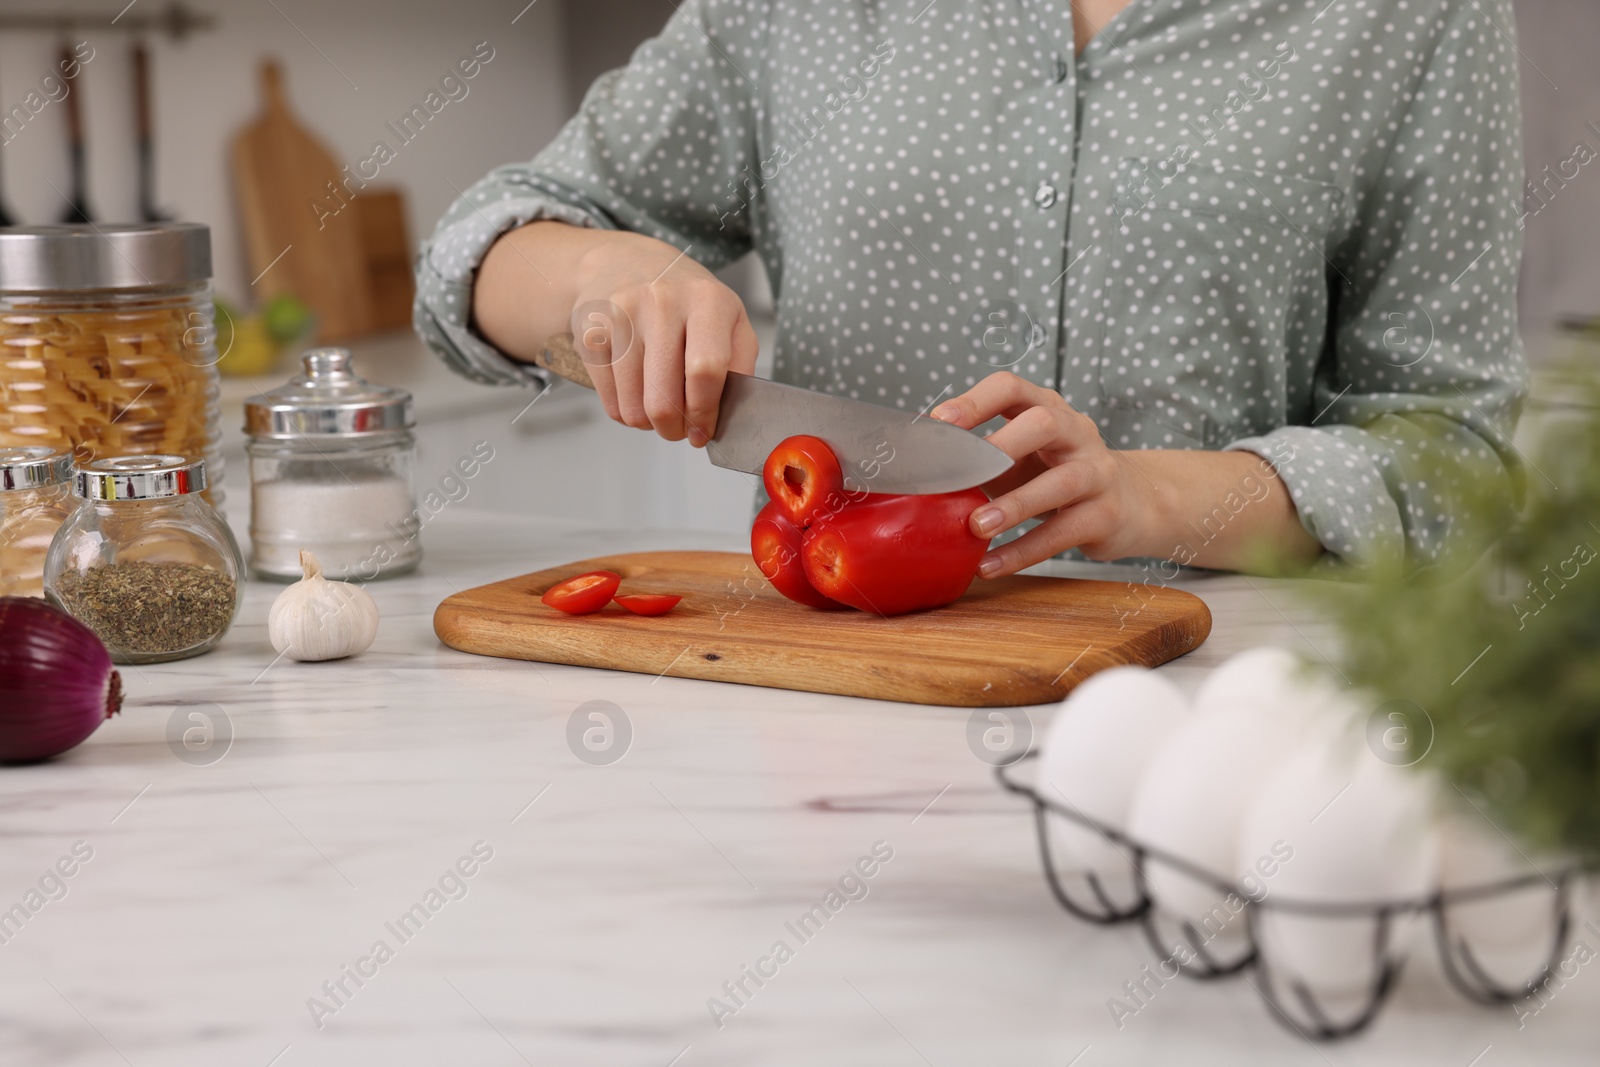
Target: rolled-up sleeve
[(656, 148), (1414, 408)]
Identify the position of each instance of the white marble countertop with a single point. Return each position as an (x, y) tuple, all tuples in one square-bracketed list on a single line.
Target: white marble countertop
[(223, 892)]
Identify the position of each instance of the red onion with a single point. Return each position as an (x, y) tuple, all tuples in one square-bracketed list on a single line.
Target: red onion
[(56, 681)]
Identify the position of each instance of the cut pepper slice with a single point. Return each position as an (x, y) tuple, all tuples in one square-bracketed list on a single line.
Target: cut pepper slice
[(801, 475), (584, 594), (648, 603)]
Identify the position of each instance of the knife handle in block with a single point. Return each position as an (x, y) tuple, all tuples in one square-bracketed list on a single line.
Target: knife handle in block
[(558, 356)]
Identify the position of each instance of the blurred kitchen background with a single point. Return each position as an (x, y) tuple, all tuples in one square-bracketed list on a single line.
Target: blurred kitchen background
[(352, 66)]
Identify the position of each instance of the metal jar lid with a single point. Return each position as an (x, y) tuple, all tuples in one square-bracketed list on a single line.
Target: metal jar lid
[(116, 256), (327, 399), (151, 477), (33, 467)]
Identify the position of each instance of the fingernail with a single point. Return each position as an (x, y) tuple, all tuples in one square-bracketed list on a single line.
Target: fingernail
[(990, 565), (696, 438), (946, 413), (988, 520)]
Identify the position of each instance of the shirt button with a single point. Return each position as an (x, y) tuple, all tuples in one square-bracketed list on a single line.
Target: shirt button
[(1061, 68), (1045, 195), (1036, 338)]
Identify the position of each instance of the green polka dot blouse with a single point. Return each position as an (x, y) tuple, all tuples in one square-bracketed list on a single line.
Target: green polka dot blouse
[(1284, 226)]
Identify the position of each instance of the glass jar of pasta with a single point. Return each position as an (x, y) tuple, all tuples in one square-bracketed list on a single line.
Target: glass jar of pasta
[(107, 342), (35, 499)]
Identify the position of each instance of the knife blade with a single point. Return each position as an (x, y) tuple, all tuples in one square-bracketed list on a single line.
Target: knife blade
[(881, 450)]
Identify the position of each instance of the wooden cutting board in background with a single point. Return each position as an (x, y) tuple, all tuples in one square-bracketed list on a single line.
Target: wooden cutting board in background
[(1013, 641), (280, 171), (386, 251)]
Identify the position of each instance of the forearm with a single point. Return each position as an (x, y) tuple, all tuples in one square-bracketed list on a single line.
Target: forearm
[(527, 285), (1225, 510), (536, 274)]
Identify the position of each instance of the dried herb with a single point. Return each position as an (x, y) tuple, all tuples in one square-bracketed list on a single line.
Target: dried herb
[(150, 608)]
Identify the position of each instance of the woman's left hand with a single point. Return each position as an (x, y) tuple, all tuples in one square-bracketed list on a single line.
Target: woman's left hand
[(1091, 497)]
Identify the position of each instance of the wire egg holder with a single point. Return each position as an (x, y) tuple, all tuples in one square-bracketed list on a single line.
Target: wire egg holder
[(1460, 965)]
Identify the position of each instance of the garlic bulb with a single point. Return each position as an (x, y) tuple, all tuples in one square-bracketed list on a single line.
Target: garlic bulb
[(315, 619)]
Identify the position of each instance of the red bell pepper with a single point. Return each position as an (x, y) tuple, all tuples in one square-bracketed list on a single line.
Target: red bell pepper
[(883, 553), (891, 553)]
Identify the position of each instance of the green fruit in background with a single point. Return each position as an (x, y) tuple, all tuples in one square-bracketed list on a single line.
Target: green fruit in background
[(287, 319)]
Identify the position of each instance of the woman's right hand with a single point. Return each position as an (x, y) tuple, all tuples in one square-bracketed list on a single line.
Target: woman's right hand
[(658, 334), (657, 331)]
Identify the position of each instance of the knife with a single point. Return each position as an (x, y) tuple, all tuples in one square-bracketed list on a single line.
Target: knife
[(881, 450)]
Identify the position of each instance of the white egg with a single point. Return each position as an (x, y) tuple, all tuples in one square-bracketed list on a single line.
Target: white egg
[(1347, 827), (1259, 676), (1510, 936), (1248, 714), (1091, 759)]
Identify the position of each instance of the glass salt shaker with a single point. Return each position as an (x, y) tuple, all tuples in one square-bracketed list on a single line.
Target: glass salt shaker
[(144, 561), (332, 461), (35, 499)]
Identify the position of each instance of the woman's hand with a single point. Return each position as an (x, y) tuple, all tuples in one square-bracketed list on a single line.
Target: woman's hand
[(1227, 510), (1094, 498), (683, 330), (658, 332)]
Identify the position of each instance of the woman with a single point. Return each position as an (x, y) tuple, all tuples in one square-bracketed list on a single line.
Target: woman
[(1250, 268)]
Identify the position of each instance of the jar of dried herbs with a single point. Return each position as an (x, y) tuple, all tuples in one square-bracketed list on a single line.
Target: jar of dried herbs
[(35, 499), (144, 561)]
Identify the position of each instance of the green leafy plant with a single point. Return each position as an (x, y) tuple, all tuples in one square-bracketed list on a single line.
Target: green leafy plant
[(1505, 660)]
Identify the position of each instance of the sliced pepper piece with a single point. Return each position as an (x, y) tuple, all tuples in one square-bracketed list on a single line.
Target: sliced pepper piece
[(584, 594), (648, 603), (801, 474)]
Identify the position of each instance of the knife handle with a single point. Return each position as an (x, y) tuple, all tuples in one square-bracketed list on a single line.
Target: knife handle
[(558, 356)]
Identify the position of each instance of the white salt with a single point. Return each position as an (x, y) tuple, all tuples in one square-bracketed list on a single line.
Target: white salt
[(356, 528)]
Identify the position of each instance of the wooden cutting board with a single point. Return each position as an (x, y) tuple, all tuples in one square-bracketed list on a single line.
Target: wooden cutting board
[(280, 172), (1016, 640)]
